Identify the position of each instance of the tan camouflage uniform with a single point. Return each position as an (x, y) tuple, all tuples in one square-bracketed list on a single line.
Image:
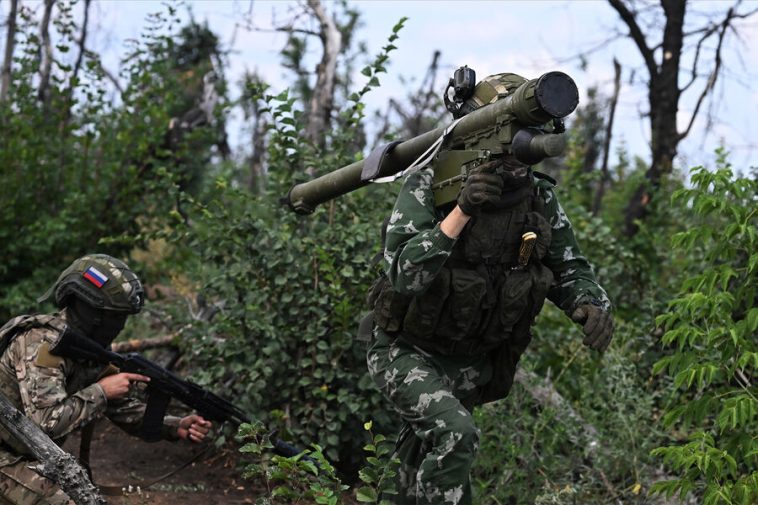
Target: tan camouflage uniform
[(61, 396)]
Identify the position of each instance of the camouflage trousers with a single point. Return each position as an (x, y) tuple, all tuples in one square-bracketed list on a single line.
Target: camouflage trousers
[(20, 485), (435, 395)]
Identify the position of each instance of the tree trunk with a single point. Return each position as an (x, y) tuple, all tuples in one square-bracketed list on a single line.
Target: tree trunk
[(663, 98), (322, 101), (46, 55), (54, 463), (10, 41)]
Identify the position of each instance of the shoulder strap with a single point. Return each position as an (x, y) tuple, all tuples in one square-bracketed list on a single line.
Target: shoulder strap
[(545, 177)]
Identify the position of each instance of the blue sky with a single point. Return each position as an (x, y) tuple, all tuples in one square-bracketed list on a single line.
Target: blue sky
[(526, 37)]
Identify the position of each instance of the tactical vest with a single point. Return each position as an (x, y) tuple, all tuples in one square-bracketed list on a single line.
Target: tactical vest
[(481, 297), (21, 324), (11, 450)]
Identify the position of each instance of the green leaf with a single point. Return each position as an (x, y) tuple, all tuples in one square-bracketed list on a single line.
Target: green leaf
[(399, 25), (282, 97), (368, 475), (366, 495)]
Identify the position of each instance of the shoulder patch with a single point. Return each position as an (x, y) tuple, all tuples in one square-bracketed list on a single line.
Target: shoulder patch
[(544, 178), (45, 359)]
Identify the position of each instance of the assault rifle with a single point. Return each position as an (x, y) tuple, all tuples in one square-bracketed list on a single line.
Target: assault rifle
[(163, 386)]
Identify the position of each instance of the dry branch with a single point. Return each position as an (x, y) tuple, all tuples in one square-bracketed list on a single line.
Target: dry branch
[(138, 345), (604, 177), (53, 462), (82, 43), (544, 393)]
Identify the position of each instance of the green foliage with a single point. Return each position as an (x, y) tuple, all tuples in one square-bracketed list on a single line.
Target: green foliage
[(533, 451), (307, 477), (76, 168), (711, 325), (82, 172), (292, 289), (380, 470)]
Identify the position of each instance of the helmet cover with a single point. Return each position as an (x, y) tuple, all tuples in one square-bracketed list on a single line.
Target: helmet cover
[(491, 89), (101, 281)]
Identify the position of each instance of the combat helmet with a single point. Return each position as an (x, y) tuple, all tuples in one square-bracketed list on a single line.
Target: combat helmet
[(102, 282), (489, 90)]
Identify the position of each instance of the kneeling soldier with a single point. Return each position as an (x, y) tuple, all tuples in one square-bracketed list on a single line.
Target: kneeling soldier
[(95, 294)]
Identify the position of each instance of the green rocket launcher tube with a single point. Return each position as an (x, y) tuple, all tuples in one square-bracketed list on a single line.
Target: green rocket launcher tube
[(505, 126)]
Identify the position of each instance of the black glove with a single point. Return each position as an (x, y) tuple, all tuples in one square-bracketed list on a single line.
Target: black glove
[(598, 325), (481, 187)]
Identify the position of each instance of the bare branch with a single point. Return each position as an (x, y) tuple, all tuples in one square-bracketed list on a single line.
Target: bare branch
[(714, 73), (544, 392), (608, 134), (707, 34), (109, 75), (636, 34), (82, 41), (287, 29), (600, 46), (138, 345)]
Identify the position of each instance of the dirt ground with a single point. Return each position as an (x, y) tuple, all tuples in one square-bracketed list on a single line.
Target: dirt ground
[(118, 459)]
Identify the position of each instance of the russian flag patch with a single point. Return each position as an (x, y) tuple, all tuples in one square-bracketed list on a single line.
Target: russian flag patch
[(95, 276)]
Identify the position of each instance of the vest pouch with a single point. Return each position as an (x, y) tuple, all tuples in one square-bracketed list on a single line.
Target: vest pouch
[(490, 235), (389, 306), (536, 222), (425, 310), (514, 298), (461, 317), (542, 279)]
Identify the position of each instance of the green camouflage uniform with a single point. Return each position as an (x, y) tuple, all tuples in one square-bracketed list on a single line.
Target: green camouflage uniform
[(435, 392), (61, 396)]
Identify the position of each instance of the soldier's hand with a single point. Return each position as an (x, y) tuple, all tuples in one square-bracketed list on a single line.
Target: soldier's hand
[(193, 428), (117, 386), (481, 187), (598, 325)]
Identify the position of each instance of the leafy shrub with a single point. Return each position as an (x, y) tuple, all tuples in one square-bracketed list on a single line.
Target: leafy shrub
[(712, 326), (293, 288), (76, 167)]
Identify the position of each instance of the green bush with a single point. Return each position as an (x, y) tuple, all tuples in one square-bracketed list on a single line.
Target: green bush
[(77, 168), (293, 288), (711, 326)]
